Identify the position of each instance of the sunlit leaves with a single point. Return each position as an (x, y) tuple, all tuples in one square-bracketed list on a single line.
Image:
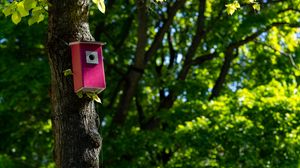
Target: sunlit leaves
[(274, 39), (93, 96), (232, 7), (256, 6), (100, 4), (96, 98), (255, 121), (16, 17), (10, 9), (250, 1), (68, 72), (246, 98), (21, 9), (37, 16), (200, 122), (30, 4), (291, 40), (263, 119)]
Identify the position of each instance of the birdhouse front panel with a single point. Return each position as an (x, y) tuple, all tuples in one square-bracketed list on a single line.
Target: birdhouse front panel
[(88, 67)]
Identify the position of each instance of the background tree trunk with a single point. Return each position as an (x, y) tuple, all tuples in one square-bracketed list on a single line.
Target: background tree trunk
[(75, 121)]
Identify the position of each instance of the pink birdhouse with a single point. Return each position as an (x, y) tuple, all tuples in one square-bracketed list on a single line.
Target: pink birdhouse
[(88, 67)]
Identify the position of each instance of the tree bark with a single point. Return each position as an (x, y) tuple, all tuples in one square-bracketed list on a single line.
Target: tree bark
[(77, 142)]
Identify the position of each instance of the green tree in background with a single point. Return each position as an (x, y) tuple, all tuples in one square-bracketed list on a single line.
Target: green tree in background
[(189, 84), (25, 134)]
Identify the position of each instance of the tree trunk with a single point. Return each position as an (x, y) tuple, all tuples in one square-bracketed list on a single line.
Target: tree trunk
[(77, 142)]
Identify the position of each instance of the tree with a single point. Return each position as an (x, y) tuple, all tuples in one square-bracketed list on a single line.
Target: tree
[(75, 121), (206, 57), (77, 142)]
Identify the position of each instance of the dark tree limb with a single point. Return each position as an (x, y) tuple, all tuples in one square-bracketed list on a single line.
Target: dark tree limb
[(100, 27), (200, 60), (140, 111), (125, 32), (141, 57), (114, 67), (114, 93), (161, 32), (135, 72), (172, 51), (229, 56), (200, 32)]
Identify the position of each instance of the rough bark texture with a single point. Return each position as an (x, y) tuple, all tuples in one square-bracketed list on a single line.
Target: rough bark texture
[(75, 121)]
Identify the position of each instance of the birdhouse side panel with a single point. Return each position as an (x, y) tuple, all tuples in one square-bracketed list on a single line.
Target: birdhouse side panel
[(77, 68)]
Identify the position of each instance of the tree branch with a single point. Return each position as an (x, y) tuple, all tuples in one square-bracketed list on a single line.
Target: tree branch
[(206, 57), (200, 32), (140, 111), (141, 56), (114, 93), (169, 100), (136, 71), (282, 53), (224, 71), (171, 50), (161, 32), (125, 31), (228, 57)]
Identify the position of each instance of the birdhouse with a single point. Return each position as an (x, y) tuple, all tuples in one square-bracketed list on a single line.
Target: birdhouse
[(88, 67)]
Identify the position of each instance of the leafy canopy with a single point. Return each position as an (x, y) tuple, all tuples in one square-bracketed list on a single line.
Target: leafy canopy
[(247, 54)]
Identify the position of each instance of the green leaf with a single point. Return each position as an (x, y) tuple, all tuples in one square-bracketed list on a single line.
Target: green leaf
[(20, 7), (7, 11), (100, 4), (232, 7), (250, 1), (10, 9), (37, 9), (15, 17), (29, 4), (67, 72), (80, 94), (236, 4), (31, 21), (96, 98), (40, 18), (256, 6), (89, 95), (93, 96), (37, 15)]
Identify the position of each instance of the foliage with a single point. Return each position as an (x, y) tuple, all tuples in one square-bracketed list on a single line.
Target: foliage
[(100, 4), (246, 54), (18, 9), (24, 100), (232, 7), (252, 128)]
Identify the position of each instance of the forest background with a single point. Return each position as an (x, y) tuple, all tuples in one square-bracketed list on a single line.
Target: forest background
[(205, 83)]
